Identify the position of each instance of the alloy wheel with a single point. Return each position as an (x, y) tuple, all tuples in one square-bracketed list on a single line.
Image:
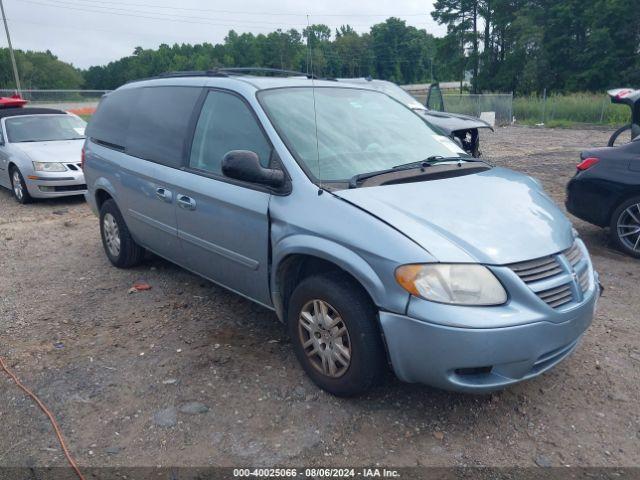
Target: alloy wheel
[(628, 227), (111, 234), (17, 185), (325, 338)]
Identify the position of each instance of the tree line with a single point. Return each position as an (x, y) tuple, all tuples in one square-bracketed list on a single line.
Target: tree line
[(520, 46), (39, 70), (527, 46), (391, 50)]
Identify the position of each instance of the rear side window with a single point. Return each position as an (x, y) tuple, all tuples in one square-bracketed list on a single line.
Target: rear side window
[(110, 123), (226, 123), (160, 122)]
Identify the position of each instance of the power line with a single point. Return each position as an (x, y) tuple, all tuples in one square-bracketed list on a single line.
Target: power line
[(235, 12), (134, 13), (122, 12)]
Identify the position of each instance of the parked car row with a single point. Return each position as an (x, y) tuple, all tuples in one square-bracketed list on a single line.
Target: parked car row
[(373, 236)]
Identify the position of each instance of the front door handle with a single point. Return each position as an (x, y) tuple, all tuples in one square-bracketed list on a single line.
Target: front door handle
[(187, 203), (164, 194)]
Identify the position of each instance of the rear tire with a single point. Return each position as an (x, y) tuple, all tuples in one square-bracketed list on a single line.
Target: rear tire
[(122, 251), (19, 187), (344, 333), (625, 227)]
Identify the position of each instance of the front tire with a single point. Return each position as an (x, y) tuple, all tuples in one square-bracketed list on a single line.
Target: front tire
[(625, 227), (333, 328), (122, 251), (19, 187)]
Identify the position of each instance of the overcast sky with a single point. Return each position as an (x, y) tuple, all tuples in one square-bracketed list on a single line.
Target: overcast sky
[(95, 32)]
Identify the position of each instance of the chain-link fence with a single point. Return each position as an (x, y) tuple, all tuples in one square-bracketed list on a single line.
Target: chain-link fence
[(589, 108), (79, 101), (475, 104)]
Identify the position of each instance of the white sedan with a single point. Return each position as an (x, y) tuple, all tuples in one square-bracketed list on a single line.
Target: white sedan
[(40, 153)]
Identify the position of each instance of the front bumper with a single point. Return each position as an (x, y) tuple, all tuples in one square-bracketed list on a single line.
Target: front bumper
[(482, 359), (58, 184)]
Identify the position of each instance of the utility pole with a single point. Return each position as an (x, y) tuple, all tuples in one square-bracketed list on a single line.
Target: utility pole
[(13, 58)]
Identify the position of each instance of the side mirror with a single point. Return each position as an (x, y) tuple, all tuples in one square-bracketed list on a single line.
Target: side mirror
[(245, 165)]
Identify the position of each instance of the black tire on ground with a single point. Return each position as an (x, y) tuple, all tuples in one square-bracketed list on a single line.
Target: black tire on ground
[(616, 237), (617, 133), (25, 197), (129, 253), (351, 304)]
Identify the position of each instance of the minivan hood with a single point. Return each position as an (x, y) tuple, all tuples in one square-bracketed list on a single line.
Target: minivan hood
[(494, 217), (57, 151)]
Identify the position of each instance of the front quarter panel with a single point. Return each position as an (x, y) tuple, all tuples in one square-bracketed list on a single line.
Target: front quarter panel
[(18, 158), (330, 228)]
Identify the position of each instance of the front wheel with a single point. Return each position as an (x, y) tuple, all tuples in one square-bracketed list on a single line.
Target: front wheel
[(19, 188), (625, 227), (333, 327), (121, 249)]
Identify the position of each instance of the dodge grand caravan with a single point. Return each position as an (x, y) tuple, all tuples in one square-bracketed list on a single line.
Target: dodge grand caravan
[(373, 238)]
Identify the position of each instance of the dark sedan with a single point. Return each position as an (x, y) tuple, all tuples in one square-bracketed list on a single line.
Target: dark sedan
[(606, 192)]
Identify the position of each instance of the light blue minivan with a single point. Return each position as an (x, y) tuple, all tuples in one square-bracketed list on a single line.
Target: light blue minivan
[(373, 237)]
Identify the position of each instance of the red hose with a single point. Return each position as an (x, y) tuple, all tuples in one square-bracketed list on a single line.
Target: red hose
[(44, 408)]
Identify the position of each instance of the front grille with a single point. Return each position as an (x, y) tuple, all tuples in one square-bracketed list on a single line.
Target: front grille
[(536, 270), (552, 279), (74, 166), (583, 280), (573, 254), (70, 188), (558, 296)]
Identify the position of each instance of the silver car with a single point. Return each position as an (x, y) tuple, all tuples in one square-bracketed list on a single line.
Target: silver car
[(376, 240), (462, 129), (40, 152)]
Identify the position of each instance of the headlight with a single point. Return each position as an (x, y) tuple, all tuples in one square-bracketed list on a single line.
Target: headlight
[(458, 284), (48, 167)]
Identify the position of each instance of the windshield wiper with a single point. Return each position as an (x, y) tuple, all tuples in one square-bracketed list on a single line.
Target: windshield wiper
[(353, 181), (439, 158), (422, 164)]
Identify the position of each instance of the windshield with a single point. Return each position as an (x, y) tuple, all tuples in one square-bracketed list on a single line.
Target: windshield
[(43, 128), (358, 131)]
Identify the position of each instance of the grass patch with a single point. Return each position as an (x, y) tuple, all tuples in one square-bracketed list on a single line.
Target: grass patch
[(571, 109)]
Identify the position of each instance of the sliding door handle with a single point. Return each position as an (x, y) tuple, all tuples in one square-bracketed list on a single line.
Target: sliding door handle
[(164, 194), (185, 202)]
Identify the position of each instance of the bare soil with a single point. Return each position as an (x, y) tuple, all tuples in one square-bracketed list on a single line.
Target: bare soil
[(120, 369)]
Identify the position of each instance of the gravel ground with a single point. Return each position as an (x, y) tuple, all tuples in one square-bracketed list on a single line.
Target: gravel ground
[(188, 374)]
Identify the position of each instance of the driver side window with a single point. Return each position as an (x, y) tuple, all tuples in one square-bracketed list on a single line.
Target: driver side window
[(226, 123)]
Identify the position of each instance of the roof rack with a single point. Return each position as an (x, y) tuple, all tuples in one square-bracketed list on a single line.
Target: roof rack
[(276, 71), (192, 73), (186, 73), (229, 71)]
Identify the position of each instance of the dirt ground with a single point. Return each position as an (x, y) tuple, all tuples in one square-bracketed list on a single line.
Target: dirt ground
[(189, 374)]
